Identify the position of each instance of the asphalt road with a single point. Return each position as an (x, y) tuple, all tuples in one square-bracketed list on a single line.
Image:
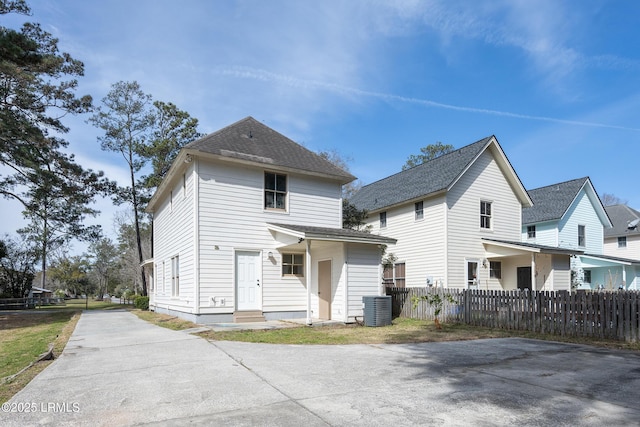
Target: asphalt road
[(118, 370)]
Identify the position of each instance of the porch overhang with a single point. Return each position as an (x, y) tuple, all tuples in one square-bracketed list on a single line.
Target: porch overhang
[(504, 248), (289, 235), (595, 261)]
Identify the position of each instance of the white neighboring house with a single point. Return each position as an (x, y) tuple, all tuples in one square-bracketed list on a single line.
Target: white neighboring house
[(247, 225), (622, 241), (570, 215), (457, 219)]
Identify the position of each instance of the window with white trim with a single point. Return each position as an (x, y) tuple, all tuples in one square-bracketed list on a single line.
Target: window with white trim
[(419, 210), (622, 241), (582, 239), (495, 269), (485, 215), (164, 278), (383, 219), (175, 276), (293, 265), (275, 191), (531, 231)]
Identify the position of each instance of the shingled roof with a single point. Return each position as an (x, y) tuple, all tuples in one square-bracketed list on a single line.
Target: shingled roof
[(551, 202), (425, 179), (621, 216), (251, 141)]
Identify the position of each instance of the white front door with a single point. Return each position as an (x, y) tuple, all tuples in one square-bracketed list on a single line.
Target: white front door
[(248, 286)]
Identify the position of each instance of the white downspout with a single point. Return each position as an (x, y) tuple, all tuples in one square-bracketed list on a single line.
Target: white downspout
[(308, 275), (345, 275), (446, 244)]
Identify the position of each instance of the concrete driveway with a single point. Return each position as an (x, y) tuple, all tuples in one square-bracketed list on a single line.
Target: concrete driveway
[(118, 370)]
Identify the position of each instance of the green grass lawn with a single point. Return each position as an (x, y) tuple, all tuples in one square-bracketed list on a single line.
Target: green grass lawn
[(401, 331), (165, 320)]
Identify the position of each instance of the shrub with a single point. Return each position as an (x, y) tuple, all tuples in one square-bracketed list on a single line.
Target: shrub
[(141, 302)]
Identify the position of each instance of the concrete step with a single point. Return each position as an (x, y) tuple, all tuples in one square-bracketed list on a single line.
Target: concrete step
[(248, 316)]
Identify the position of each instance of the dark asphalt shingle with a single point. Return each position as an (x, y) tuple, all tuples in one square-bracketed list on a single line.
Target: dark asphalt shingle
[(335, 233), (250, 140), (621, 216), (551, 202), (428, 178)]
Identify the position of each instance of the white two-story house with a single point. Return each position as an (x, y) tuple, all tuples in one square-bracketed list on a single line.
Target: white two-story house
[(622, 241), (457, 219), (247, 225)]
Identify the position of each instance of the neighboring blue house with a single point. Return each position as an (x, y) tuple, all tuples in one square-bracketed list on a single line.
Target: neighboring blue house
[(570, 215)]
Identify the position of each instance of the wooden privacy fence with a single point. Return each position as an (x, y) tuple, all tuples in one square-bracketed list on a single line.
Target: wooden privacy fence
[(612, 315)]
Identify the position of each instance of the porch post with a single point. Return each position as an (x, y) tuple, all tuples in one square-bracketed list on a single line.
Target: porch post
[(307, 272), (533, 271), (624, 276)]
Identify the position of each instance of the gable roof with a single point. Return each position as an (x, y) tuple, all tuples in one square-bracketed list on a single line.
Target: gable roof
[(434, 176), (552, 202), (621, 216), (248, 140)]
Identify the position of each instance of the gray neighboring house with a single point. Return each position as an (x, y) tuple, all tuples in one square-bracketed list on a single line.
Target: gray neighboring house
[(623, 241), (457, 219), (570, 215), (247, 225)]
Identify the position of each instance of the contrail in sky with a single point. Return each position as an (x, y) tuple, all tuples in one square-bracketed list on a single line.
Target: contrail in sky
[(267, 76)]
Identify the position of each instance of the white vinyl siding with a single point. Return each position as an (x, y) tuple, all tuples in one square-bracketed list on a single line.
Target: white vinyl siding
[(362, 270), (630, 251), (327, 251), (173, 236), (227, 190), (483, 181), (421, 244)]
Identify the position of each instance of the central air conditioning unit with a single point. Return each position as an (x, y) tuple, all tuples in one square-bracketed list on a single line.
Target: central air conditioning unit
[(377, 310)]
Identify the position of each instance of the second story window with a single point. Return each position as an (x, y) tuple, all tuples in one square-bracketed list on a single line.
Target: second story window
[(383, 219), (622, 242), (485, 215), (531, 231), (275, 191), (582, 240), (419, 208)]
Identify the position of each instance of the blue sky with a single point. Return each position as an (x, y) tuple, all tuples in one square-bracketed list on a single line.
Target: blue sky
[(557, 82)]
